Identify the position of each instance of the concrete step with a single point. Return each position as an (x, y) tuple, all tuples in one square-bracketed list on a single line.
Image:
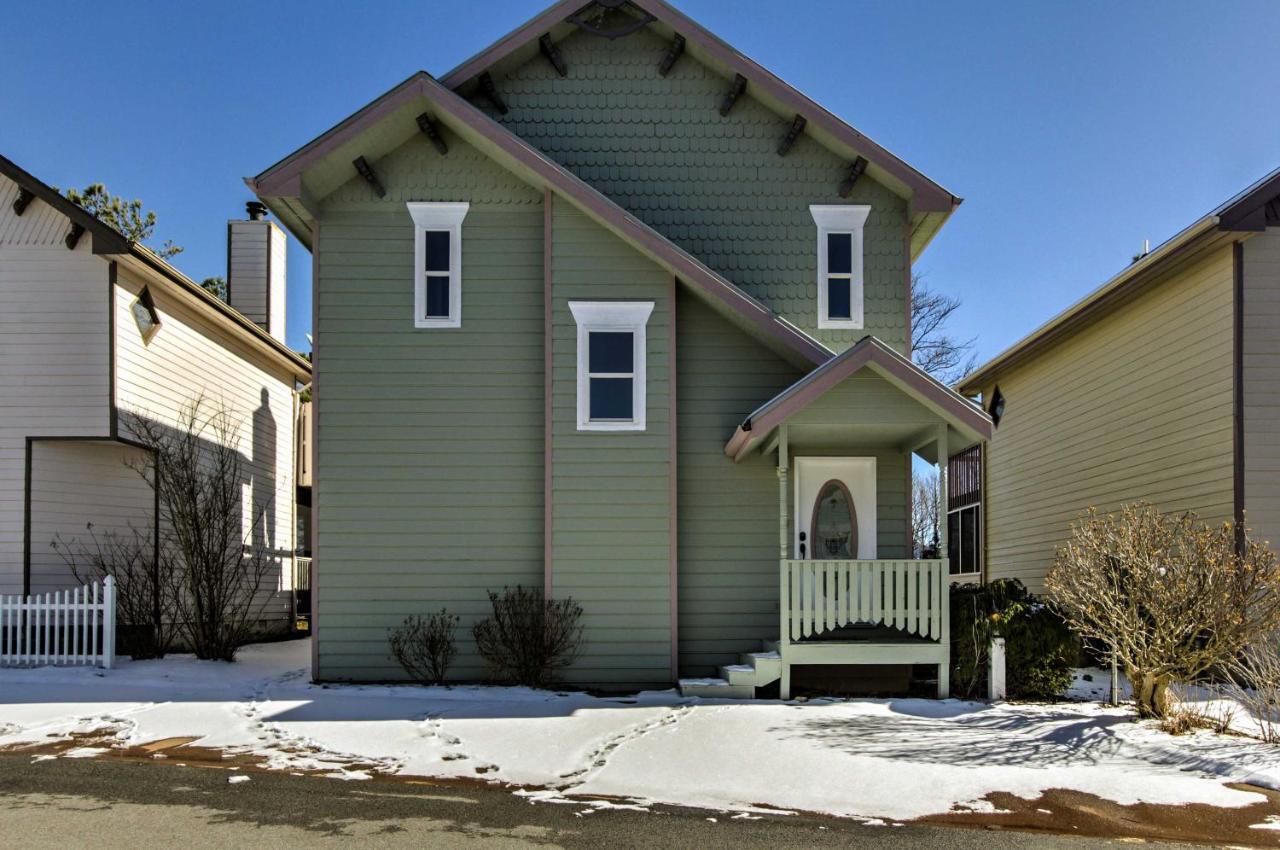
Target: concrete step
[(715, 689)]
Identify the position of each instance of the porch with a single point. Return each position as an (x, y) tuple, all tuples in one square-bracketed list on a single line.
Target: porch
[(849, 592)]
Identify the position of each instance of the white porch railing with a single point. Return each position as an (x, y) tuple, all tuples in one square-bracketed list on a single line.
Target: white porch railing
[(76, 626), (818, 595)]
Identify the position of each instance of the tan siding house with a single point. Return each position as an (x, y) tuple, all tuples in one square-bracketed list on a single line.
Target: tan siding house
[(78, 368), (1148, 389)]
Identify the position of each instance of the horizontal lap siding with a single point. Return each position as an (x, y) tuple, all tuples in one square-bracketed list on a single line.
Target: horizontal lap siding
[(188, 358), (1137, 405), (728, 531), (430, 467), (76, 483), (1262, 384), (54, 377), (712, 184), (611, 490)]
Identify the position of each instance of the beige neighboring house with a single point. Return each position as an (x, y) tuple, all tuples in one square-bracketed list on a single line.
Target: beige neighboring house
[(96, 330), (1161, 385)]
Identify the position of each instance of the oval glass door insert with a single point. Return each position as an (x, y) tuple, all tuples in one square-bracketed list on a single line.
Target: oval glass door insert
[(835, 523)]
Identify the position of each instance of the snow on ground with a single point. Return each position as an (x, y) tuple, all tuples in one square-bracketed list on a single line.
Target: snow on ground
[(892, 759)]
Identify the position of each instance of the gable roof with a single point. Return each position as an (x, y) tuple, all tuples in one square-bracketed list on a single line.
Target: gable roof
[(868, 352), (1251, 210), (281, 187), (109, 243), (931, 204)]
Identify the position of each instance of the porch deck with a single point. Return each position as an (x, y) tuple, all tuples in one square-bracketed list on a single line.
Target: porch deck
[(901, 608)]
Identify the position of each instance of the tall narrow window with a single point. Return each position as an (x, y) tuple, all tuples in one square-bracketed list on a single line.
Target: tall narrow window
[(437, 298), (611, 364), (840, 284)]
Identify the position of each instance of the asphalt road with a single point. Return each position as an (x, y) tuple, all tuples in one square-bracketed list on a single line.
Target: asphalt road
[(107, 803)]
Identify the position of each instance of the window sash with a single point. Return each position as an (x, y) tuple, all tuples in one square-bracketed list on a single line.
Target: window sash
[(964, 551), (435, 260), (840, 227), (608, 318)]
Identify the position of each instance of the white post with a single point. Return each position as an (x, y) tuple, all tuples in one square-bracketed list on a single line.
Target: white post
[(996, 688), (944, 669), (1115, 680), (109, 622)]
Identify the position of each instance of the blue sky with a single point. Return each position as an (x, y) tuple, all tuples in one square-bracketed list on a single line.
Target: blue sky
[(1073, 130)]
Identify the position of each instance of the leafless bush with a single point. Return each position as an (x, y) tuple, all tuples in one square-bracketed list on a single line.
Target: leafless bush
[(528, 639), (145, 590), (219, 573), (1173, 597), (1254, 678), (1188, 712), (424, 646)]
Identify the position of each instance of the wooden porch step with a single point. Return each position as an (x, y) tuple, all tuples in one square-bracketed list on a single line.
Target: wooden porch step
[(715, 689), (738, 681), (767, 666)]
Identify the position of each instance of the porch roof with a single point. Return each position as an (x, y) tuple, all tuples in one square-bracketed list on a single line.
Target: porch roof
[(969, 421)]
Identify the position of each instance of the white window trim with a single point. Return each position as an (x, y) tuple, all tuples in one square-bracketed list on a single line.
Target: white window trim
[(841, 218), (430, 215), (627, 316)]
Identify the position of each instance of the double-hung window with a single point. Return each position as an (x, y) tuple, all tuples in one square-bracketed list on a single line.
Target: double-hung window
[(437, 292), (611, 364), (840, 263)]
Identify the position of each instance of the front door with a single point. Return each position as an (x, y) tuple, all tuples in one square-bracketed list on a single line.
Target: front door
[(835, 508)]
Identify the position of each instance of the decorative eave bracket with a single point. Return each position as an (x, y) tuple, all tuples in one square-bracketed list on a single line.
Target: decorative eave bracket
[(431, 130), (553, 54), (24, 199), (793, 133), (73, 236), (855, 171), (674, 52), (366, 171), (490, 90), (735, 92)]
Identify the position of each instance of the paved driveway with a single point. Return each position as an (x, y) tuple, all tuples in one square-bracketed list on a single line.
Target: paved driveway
[(107, 803)]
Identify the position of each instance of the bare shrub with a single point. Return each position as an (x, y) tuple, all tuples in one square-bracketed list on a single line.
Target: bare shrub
[(1171, 596), (528, 639), (219, 572), (1187, 712), (424, 646), (1254, 682), (145, 589)]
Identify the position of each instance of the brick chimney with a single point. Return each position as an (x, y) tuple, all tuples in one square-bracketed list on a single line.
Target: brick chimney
[(256, 269)]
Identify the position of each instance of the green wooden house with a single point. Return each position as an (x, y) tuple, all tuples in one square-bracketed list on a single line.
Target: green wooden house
[(612, 311)]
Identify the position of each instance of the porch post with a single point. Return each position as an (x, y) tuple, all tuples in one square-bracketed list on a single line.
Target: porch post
[(944, 668), (784, 584)]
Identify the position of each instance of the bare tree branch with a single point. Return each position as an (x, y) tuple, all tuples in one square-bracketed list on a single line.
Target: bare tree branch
[(946, 358)]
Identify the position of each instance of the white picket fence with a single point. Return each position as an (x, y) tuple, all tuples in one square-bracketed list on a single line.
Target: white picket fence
[(64, 627)]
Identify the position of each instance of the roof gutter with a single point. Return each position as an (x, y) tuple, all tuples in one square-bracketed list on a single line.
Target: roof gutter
[(224, 313)]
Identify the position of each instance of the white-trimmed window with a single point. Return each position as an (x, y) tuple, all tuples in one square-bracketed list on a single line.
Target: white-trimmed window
[(437, 288), (840, 263), (611, 361)]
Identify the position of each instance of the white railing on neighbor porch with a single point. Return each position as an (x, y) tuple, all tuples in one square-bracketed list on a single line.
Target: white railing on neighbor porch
[(76, 626), (818, 595)]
